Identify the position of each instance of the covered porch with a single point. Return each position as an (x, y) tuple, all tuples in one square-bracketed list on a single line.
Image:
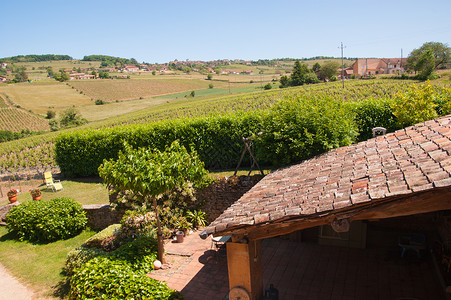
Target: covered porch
[(404, 173)]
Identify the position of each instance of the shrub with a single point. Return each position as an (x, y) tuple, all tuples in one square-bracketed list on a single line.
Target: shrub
[(197, 218), (311, 78), (46, 221), (100, 102), (106, 278), (268, 86), (415, 106), (50, 114), (54, 125), (139, 253), (79, 256), (97, 239), (134, 224)]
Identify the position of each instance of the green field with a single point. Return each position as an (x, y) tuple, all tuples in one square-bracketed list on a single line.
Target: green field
[(40, 96)]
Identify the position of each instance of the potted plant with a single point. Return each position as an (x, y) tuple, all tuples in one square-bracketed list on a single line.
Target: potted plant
[(12, 195), (36, 194)]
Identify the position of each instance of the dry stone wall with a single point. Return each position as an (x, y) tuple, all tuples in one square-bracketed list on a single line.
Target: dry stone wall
[(224, 192)]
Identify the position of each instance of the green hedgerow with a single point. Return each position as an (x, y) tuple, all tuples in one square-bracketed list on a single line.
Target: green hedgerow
[(46, 221)]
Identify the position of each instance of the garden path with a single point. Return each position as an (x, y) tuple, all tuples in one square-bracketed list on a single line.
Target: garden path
[(11, 288)]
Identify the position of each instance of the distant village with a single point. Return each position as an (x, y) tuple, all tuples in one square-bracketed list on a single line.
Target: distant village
[(362, 67)]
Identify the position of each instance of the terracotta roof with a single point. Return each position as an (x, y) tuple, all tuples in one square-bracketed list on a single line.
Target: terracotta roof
[(407, 161)]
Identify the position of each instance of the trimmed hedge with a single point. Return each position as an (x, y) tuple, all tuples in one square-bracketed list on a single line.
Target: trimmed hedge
[(217, 140), (47, 221), (299, 128)]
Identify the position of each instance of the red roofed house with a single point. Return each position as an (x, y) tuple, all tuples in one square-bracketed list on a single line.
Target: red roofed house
[(130, 69), (403, 173), (375, 66)]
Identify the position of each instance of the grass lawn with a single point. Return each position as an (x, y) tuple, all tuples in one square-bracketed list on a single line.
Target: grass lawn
[(38, 266), (84, 191)]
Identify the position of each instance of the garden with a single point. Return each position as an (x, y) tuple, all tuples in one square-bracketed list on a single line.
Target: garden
[(114, 263), (153, 171)]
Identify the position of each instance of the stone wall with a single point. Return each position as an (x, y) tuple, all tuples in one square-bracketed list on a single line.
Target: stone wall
[(100, 216), (224, 192), (4, 210)]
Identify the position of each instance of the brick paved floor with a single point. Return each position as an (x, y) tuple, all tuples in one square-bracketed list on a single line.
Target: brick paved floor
[(305, 271)]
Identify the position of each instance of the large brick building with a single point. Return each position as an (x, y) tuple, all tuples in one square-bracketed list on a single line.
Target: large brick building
[(374, 66)]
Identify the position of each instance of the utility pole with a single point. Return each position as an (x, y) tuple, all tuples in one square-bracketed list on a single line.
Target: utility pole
[(342, 66), (401, 63)]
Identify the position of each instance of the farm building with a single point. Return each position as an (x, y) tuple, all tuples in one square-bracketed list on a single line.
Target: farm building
[(81, 76), (401, 174), (375, 66), (130, 68)]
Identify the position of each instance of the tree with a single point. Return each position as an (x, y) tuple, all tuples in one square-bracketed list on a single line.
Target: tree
[(328, 70), (65, 76), (284, 81), (49, 70), (21, 76), (426, 64), (209, 77), (441, 53), (72, 117), (104, 75), (297, 76), (316, 67), (150, 174)]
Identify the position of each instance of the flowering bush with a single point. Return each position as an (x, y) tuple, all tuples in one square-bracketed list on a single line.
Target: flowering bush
[(137, 223), (35, 192), (12, 193)]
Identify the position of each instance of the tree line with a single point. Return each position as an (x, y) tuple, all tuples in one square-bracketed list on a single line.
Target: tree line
[(34, 58)]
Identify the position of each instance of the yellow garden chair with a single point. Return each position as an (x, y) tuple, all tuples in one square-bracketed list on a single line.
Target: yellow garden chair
[(55, 185)]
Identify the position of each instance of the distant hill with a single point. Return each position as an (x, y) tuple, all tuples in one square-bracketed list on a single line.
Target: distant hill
[(34, 58)]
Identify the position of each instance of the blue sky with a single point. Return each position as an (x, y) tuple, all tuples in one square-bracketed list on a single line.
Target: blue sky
[(161, 31)]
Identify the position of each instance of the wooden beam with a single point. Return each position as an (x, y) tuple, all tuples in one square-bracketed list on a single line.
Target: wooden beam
[(401, 205), (415, 204), (244, 262)]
